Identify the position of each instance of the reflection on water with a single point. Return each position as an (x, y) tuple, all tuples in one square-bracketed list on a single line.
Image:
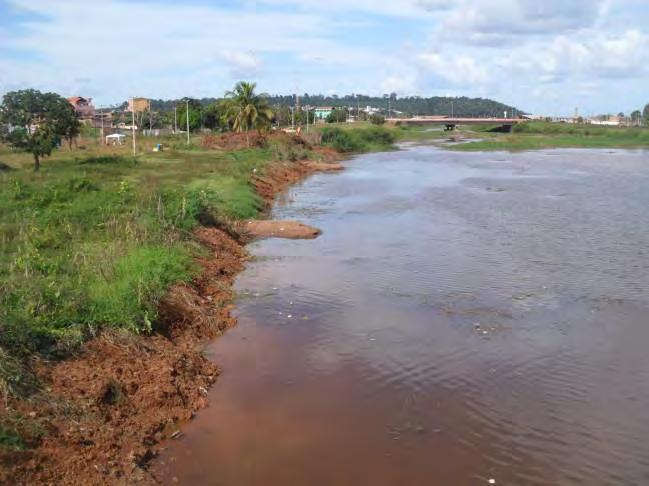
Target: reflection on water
[(463, 317)]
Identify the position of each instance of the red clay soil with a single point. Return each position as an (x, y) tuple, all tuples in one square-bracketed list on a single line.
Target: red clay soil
[(292, 230), (104, 412), (238, 141), (107, 409)]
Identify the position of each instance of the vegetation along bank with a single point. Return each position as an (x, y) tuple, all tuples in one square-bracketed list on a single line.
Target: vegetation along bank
[(115, 270)]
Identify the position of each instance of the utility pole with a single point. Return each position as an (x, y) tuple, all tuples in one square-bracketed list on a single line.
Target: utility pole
[(187, 116), (175, 119), (133, 124), (101, 115), (358, 109)]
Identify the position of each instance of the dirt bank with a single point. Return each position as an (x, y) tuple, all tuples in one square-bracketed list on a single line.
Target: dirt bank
[(103, 413), (292, 230)]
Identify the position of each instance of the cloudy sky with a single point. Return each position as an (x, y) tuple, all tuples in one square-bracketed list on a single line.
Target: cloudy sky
[(545, 56)]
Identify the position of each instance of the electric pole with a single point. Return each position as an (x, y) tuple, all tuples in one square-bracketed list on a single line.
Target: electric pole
[(175, 119), (133, 124), (187, 116)]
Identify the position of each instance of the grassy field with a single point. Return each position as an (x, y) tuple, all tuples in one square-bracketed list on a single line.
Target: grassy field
[(542, 135), (96, 237)]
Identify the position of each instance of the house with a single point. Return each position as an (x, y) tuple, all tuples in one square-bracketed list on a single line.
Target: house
[(138, 105), (322, 112), (83, 106), (609, 121)]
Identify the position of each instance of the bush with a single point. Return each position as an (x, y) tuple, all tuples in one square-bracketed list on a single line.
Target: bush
[(357, 140), (337, 115), (377, 135), (341, 140), (377, 119)]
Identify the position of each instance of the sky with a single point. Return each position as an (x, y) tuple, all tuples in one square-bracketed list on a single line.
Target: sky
[(547, 57)]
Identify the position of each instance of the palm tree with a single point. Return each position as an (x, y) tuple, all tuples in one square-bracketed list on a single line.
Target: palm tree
[(247, 110)]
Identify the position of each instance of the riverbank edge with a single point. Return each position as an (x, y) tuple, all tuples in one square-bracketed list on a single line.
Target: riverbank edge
[(106, 410)]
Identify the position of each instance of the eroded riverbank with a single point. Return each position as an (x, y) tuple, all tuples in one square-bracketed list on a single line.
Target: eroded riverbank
[(463, 317), (106, 409)]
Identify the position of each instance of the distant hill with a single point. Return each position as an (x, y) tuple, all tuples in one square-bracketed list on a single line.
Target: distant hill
[(412, 105)]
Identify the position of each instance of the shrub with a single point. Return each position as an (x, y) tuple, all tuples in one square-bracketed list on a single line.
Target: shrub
[(377, 119), (341, 140), (377, 135)]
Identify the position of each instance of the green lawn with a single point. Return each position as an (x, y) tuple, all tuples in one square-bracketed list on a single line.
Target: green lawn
[(542, 135), (96, 237)]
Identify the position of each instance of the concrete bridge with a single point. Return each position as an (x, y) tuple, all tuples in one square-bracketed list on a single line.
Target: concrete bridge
[(451, 122)]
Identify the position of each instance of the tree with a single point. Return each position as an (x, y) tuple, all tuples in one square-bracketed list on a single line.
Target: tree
[(36, 122), (214, 117), (337, 115), (636, 116), (645, 113), (195, 114), (247, 110), (68, 124), (377, 119)]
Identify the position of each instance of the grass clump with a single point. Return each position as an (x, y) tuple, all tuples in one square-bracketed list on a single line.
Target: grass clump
[(18, 432), (372, 138), (128, 293)]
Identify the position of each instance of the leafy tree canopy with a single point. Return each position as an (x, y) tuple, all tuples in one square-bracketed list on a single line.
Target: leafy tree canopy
[(247, 110), (36, 122)]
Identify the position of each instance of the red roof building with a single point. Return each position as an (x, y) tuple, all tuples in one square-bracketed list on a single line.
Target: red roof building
[(83, 106)]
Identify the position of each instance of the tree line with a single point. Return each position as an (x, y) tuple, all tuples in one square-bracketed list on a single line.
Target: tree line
[(37, 122), (407, 106)]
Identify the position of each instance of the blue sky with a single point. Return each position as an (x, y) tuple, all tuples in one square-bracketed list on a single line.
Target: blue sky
[(547, 57)]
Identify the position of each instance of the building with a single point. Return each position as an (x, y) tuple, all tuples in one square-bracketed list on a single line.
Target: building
[(371, 110), (608, 121), (139, 105), (83, 106), (322, 112)]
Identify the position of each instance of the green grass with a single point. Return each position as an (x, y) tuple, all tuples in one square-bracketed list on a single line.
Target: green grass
[(96, 237), (543, 135), (358, 139)]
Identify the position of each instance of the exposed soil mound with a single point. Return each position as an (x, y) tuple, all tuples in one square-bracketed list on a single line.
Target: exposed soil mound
[(277, 178), (292, 230), (238, 141), (323, 166)]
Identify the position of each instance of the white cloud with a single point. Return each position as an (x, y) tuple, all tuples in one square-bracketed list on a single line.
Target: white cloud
[(116, 48), (459, 70), (495, 21), (241, 63)]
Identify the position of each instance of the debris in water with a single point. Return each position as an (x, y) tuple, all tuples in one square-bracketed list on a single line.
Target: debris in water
[(492, 481)]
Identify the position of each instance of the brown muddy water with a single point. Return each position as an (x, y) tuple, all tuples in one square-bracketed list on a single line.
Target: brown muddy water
[(463, 318)]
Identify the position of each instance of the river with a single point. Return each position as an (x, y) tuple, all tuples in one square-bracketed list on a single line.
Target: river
[(464, 317)]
